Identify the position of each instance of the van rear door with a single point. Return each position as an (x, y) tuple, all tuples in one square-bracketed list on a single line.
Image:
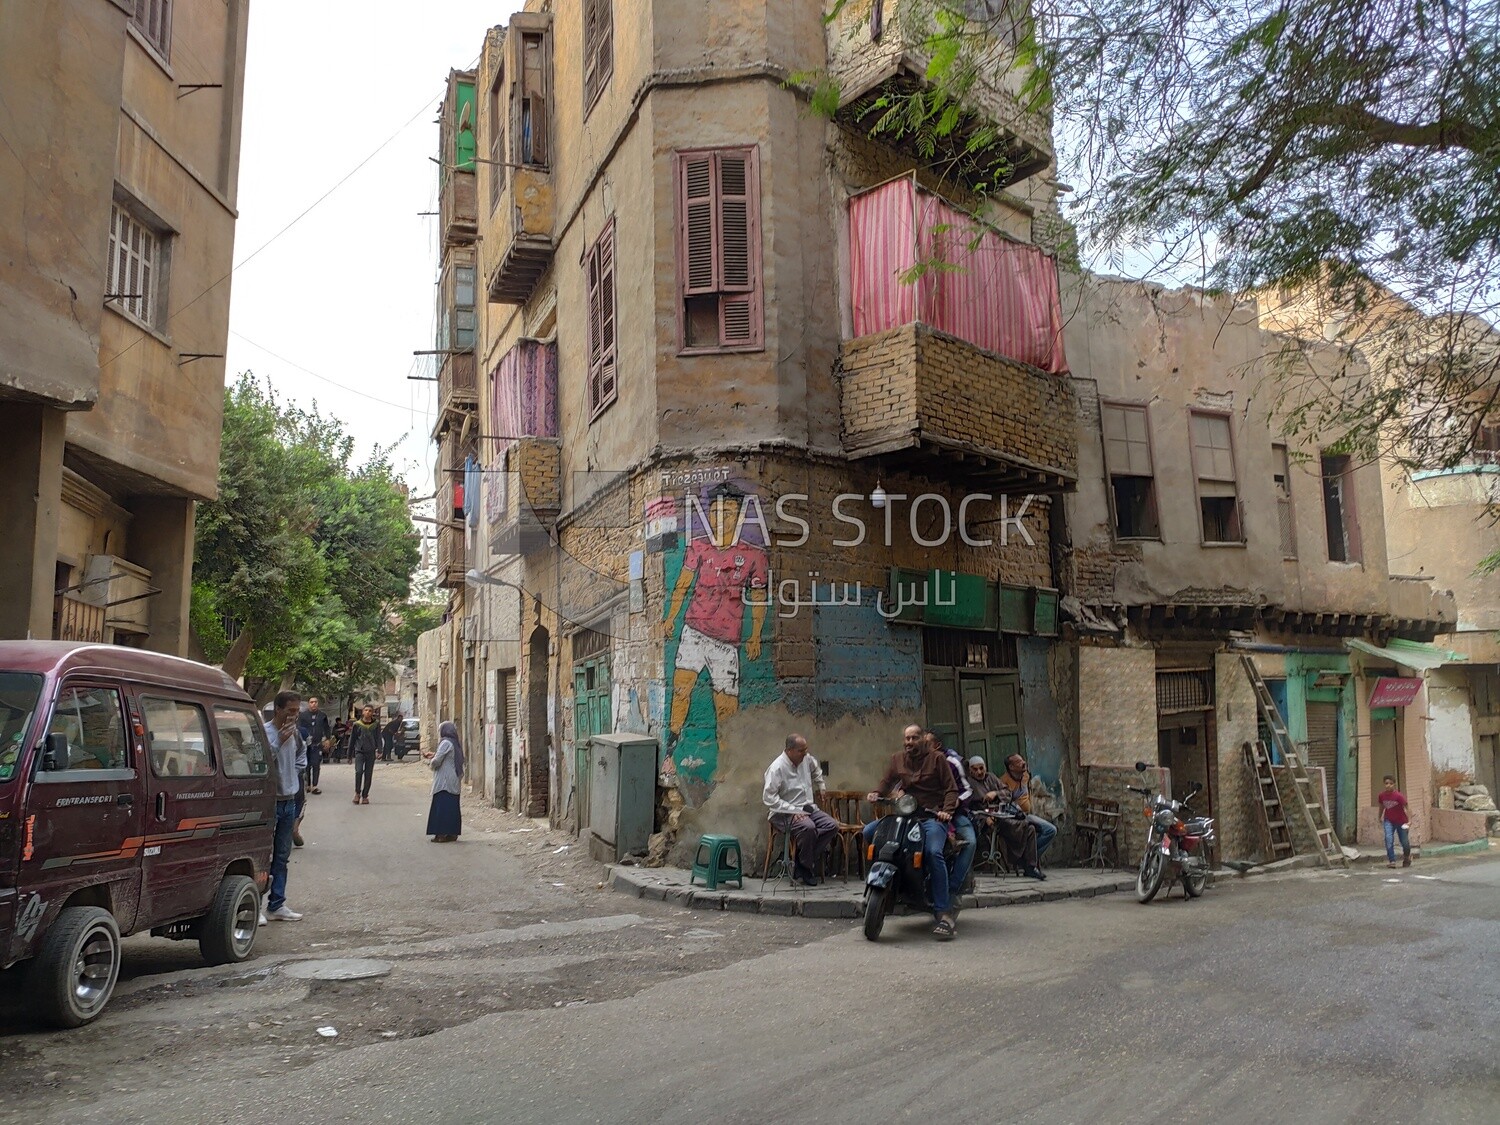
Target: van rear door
[(181, 863), (82, 818)]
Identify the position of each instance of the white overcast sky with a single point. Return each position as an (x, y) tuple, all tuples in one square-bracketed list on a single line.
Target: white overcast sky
[(331, 309)]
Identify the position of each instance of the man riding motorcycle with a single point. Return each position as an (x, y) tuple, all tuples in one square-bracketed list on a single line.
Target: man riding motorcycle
[(922, 771)]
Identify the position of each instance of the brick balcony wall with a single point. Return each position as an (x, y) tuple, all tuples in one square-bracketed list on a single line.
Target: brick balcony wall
[(914, 381), (537, 463)]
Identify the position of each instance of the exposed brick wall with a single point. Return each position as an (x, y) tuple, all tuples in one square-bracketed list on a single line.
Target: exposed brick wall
[(537, 463), (1116, 706), (915, 380)]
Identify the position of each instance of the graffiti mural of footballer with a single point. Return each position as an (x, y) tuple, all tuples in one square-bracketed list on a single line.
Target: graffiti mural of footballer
[(717, 569)]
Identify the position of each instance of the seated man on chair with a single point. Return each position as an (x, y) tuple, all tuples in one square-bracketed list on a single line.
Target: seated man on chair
[(1016, 832), (792, 784), (1015, 783)]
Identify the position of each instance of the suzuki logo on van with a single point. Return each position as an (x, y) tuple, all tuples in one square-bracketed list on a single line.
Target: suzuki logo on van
[(101, 799)]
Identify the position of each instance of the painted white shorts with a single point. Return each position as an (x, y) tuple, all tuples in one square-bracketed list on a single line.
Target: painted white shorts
[(698, 651)]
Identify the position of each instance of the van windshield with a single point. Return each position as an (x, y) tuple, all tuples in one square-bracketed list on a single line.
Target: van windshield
[(19, 692)]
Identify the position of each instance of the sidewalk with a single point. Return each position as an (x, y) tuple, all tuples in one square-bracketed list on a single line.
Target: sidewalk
[(837, 899), (1376, 853)]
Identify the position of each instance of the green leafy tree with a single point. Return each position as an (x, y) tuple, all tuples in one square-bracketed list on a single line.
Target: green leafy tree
[(304, 562), (1340, 159)]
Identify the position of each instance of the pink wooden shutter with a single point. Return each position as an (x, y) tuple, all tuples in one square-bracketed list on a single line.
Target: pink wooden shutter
[(594, 327), (738, 249), (607, 315), (698, 243)]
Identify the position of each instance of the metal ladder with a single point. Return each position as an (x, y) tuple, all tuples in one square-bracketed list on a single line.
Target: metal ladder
[(1310, 802), (1272, 813)]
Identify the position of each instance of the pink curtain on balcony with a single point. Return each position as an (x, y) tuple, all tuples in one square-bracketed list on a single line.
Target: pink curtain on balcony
[(997, 294), (523, 394)]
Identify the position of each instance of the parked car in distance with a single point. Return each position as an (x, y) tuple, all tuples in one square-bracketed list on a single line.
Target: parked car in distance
[(136, 793), (410, 737)]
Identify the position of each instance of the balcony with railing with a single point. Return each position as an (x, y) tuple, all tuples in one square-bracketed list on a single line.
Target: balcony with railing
[(956, 361), (521, 207), (879, 51), (458, 197), (524, 484)]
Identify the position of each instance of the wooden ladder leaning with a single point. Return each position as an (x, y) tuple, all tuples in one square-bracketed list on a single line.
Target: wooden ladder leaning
[(1306, 798), (1272, 812)]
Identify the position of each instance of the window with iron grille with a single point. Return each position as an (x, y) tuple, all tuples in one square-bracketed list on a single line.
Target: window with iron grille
[(598, 49), (1187, 690), (136, 271), (718, 250), (153, 19), (601, 322), (967, 648)]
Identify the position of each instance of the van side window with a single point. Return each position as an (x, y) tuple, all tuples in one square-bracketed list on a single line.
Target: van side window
[(242, 740), (90, 719), (177, 733)]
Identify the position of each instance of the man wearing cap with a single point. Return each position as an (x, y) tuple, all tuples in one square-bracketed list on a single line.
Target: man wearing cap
[(1015, 830)]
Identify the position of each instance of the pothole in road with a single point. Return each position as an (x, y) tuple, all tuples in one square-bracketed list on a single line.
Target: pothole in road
[(337, 969)]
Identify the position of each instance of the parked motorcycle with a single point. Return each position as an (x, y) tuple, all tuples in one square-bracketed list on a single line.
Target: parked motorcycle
[(1177, 844), (896, 877)]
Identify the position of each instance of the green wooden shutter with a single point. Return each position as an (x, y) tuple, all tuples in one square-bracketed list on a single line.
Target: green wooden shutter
[(1015, 609)]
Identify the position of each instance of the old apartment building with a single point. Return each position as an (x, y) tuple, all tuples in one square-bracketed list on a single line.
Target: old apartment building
[(1439, 520), (1199, 534), (121, 125), (723, 457)]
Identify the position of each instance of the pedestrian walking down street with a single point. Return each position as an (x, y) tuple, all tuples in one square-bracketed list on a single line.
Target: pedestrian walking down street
[(1396, 820), (288, 760), (317, 735), (445, 817), (388, 735), (364, 741)]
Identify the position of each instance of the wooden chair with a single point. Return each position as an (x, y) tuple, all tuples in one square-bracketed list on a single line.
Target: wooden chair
[(844, 806), (1097, 833), (779, 854)]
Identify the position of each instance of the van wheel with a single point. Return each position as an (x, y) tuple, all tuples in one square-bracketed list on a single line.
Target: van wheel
[(227, 932), (72, 978)]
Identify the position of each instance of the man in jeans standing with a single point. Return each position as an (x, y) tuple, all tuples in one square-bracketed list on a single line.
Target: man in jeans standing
[(317, 732), (364, 740), (289, 759)]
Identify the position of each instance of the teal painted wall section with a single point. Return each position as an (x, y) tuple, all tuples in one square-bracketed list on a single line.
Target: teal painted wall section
[(463, 143)]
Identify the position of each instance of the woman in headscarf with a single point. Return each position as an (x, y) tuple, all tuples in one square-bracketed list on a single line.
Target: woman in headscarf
[(444, 819)]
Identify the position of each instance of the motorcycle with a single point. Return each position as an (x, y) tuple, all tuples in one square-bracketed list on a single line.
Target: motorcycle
[(1178, 841), (896, 877)]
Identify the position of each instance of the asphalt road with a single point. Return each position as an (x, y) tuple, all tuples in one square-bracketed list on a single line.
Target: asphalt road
[(1316, 997)]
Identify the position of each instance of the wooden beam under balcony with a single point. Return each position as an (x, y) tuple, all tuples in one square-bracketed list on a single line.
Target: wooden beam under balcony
[(526, 260), (1012, 474)]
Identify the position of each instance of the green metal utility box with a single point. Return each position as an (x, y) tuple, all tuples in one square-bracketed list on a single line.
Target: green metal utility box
[(622, 794)]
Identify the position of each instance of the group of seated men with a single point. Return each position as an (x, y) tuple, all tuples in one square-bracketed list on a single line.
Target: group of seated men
[(963, 796)]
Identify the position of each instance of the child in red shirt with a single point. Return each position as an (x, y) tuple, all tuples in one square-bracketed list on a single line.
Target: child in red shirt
[(1396, 821)]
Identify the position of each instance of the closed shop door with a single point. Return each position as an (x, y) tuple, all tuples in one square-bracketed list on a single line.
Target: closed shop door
[(1323, 749)]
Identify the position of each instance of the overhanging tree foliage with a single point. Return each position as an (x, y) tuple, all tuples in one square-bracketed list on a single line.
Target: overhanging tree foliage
[(303, 565), (1343, 156)]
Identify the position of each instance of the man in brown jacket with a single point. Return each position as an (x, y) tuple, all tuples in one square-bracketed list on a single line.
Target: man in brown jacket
[(923, 771)]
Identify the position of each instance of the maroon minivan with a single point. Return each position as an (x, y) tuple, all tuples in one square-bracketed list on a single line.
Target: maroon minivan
[(136, 793)]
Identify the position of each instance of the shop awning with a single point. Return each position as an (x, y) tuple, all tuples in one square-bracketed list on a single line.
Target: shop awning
[(1408, 654)]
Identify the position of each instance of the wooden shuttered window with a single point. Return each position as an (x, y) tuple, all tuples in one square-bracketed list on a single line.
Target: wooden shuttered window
[(153, 19), (718, 251), (598, 49), (601, 325)]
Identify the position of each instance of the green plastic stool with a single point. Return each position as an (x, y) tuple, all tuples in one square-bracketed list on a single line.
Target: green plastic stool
[(717, 861)]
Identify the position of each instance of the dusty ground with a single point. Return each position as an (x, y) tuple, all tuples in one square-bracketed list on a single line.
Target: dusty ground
[(522, 990), (512, 917)]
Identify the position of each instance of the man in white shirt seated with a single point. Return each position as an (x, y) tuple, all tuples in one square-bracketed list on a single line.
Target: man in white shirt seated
[(793, 782)]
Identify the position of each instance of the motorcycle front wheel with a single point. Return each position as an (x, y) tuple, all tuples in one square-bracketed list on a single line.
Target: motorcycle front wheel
[(875, 907), (1148, 878)]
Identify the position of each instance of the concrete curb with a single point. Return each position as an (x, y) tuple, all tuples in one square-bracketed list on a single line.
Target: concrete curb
[(837, 900)]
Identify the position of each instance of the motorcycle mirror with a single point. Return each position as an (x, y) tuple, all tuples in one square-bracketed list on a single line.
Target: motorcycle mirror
[(1197, 787), (1141, 767)]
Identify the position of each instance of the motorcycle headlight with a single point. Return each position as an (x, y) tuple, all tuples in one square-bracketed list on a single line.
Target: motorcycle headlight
[(906, 804), (1165, 819)]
